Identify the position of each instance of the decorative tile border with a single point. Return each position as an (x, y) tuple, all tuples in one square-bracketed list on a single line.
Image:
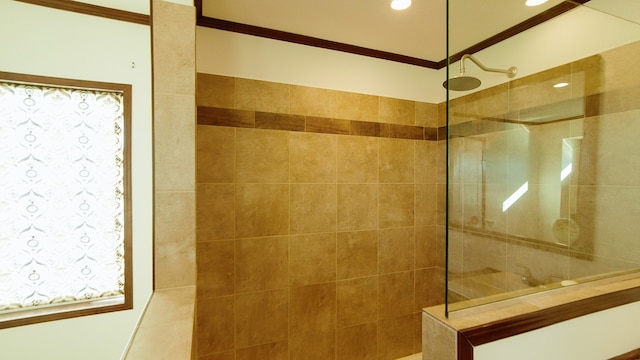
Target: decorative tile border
[(274, 121), (597, 104)]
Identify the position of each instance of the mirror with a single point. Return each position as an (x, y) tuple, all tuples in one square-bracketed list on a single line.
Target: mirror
[(516, 174)]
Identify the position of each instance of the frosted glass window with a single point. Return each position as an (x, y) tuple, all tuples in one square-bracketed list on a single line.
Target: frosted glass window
[(63, 208)]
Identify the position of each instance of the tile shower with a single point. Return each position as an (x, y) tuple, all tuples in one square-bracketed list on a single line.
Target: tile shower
[(316, 221), (521, 131)]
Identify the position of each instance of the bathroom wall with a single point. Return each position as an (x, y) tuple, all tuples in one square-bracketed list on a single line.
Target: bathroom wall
[(71, 45), (599, 194), (316, 221), (174, 144)]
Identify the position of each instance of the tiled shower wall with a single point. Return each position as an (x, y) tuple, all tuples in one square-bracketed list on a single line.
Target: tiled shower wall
[(316, 222)]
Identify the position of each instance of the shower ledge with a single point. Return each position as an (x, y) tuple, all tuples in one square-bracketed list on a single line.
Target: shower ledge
[(166, 328), (507, 315)]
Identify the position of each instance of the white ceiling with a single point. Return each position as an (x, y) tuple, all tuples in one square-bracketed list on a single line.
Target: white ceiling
[(419, 31)]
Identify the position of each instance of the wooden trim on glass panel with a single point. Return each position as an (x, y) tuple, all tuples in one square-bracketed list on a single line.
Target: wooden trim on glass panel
[(502, 329), (95, 10), (77, 309), (220, 24)]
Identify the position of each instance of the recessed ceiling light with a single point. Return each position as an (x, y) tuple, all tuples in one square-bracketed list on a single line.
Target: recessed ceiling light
[(535, 2), (400, 4), (561, 85)]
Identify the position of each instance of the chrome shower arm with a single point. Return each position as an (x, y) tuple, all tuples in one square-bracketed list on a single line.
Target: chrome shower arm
[(511, 72)]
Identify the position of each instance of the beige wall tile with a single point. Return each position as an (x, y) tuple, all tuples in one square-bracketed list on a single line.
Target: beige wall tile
[(216, 268), (174, 48), (442, 114), (315, 345), (395, 208), (490, 103), (396, 337), (427, 114), (396, 250), (441, 244), (262, 264), (396, 294), (333, 104), (617, 134), (227, 355), (430, 287), (358, 342), (261, 318), (312, 158), (426, 247), (438, 339), (175, 253), (615, 205), (215, 91), (215, 322), (312, 101), (614, 101), (441, 153), (313, 208), (357, 254), (356, 301), (426, 160), (262, 156), (215, 212), (215, 154), (259, 95), (313, 259), (536, 90), (397, 161), (262, 210), (417, 333), (357, 159), (174, 143), (442, 204), (313, 309), (354, 106), (587, 76), (271, 351), (456, 111), (426, 203), (397, 111), (357, 206), (617, 67), (313, 321)]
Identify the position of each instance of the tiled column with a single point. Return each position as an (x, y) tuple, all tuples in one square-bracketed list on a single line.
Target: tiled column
[(174, 143)]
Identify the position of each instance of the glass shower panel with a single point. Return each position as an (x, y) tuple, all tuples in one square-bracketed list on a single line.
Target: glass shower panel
[(543, 168)]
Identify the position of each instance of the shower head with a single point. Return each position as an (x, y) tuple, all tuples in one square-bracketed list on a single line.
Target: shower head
[(463, 82)]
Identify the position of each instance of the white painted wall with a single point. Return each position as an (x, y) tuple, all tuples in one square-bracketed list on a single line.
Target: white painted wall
[(42, 41), (244, 56), (597, 336)]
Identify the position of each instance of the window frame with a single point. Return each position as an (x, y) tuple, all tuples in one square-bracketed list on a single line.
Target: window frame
[(98, 306)]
